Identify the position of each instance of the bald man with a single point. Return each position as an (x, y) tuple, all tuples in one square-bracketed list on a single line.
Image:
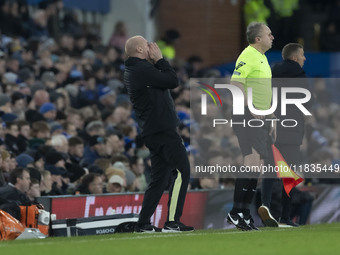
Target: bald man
[(40, 97), (148, 78)]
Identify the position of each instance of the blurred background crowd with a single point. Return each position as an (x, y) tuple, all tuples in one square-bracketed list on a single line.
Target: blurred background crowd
[(66, 116)]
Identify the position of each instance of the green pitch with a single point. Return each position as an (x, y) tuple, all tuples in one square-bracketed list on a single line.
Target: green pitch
[(312, 239)]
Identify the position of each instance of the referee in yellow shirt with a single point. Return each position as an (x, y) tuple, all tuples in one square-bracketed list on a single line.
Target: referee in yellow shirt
[(252, 71)]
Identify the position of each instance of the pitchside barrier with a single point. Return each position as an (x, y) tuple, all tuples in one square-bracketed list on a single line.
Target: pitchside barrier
[(98, 225), (204, 209)]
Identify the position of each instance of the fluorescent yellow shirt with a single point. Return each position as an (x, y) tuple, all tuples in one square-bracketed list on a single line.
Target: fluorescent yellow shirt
[(168, 51), (253, 71)]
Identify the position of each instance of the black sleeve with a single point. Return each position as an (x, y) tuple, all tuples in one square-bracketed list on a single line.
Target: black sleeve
[(161, 75)]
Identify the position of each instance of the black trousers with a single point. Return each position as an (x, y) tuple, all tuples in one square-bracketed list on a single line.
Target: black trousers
[(251, 137), (291, 154), (169, 166)]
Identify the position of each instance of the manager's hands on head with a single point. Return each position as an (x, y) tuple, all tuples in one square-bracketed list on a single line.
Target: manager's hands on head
[(137, 46), (155, 53)]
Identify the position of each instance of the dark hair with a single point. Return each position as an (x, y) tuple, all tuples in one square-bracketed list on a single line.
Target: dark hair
[(39, 126), (194, 59), (87, 179), (34, 181), (290, 49), (9, 124), (75, 140), (124, 128), (102, 163), (134, 160), (72, 111), (253, 30), (17, 173), (113, 132), (120, 157), (171, 35), (22, 123)]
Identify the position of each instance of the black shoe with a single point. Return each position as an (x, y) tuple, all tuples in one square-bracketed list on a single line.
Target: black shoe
[(173, 226), (238, 221), (267, 219), (287, 223), (147, 228), (250, 222)]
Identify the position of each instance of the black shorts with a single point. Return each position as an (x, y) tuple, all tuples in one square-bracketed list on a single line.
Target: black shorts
[(252, 137)]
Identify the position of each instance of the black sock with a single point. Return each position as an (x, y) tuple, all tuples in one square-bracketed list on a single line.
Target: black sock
[(246, 212), (251, 191), (241, 189)]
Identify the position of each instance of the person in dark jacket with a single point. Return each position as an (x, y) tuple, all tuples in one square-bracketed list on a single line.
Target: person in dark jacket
[(11, 137), (288, 140), (95, 150), (148, 78), (13, 194)]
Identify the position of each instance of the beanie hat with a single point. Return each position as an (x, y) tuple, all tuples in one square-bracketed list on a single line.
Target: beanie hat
[(24, 159), (56, 170), (106, 91), (46, 107), (9, 117), (56, 126), (4, 99), (52, 157), (25, 74)]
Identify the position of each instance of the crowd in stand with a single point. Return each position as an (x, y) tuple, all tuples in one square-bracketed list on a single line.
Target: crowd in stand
[(66, 116)]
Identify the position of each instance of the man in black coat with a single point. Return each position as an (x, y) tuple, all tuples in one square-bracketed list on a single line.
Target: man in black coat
[(148, 78), (13, 194), (288, 140)]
